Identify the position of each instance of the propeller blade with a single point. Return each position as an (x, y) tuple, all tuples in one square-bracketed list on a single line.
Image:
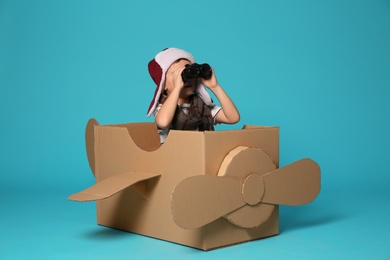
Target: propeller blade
[(199, 200), (295, 184)]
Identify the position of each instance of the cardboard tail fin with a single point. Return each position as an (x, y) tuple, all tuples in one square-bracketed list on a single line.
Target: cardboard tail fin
[(110, 186), (90, 142)]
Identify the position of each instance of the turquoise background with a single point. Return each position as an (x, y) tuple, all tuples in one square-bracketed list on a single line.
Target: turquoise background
[(318, 69)]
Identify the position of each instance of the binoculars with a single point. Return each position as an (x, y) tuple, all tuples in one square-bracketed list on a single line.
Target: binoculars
[(195, 70)]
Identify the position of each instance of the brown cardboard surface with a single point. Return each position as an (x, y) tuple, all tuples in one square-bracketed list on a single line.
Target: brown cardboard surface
[(112, 185), (220, 179), (206, 197), (300, 182)]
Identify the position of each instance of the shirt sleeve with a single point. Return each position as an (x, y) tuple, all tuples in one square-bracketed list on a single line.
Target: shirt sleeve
[(214, 111), (158, 107)]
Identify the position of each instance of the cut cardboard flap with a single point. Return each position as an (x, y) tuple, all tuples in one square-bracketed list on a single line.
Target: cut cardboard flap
[(112, 185)]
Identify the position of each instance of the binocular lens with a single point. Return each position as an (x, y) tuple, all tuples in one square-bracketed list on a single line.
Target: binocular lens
[(195, 70), (205, 71)]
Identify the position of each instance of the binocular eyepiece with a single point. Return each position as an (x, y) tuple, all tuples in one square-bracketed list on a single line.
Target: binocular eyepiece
[(195, 70)]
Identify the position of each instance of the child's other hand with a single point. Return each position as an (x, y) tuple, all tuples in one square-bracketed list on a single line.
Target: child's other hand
[(212, 82), (177, 80)]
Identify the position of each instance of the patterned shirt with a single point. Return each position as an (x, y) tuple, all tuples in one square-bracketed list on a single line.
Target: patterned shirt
[(184, 107)]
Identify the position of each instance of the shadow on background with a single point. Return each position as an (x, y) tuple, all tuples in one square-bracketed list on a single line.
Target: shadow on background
[(106, 233), (308, 216)]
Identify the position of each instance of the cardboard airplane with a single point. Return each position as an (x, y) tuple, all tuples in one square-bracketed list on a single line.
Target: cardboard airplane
[(201, 189)]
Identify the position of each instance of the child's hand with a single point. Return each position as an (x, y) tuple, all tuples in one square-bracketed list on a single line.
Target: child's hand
[(177, 80), (212, 82)]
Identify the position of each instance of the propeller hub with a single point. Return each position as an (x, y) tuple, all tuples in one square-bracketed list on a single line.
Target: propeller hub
[(253, 189)]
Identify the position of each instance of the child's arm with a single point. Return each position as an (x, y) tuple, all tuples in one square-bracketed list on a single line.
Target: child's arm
[(229, 113), (166, 113)]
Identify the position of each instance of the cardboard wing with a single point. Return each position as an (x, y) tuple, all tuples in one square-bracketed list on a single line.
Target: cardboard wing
[(110, 186)]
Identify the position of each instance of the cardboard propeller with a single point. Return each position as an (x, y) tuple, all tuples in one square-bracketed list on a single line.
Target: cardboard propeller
[(244, 194)]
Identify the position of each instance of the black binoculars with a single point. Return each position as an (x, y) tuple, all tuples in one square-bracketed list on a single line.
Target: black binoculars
[(195, 70)]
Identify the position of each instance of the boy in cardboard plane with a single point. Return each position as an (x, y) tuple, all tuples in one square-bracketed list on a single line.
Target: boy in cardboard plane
[(182, 103)]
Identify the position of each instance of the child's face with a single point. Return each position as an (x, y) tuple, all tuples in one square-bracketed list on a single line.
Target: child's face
[(172, 79)]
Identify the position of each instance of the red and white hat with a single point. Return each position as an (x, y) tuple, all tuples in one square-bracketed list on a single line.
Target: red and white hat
[(159, 66)]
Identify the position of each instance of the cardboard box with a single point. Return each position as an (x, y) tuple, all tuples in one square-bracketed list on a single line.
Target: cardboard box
[(200, 189)]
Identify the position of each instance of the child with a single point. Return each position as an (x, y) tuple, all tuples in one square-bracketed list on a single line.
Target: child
[(186, 105)]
